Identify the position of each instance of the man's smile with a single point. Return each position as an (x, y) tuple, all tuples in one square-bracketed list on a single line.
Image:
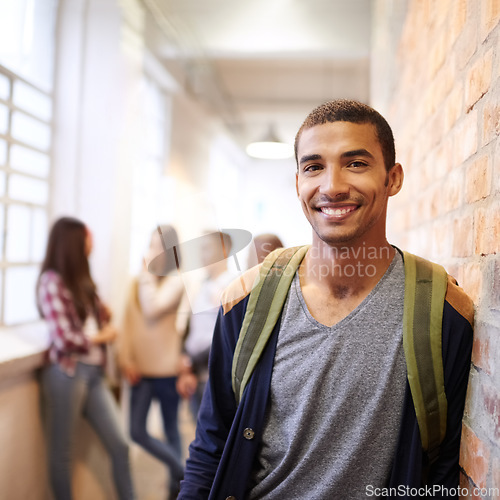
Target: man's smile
[(338, 211)]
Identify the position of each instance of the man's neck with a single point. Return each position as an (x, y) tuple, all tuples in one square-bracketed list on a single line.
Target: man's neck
[(346, 269)]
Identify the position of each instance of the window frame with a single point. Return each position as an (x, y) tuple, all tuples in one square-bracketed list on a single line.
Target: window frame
[(8, 170)]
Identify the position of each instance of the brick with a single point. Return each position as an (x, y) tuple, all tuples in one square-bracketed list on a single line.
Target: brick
[(437, 54), (428, 104), (471, 398), (437, 129), (472, 281), (425, 178), (487, 229), (452, 194), (465, 139), (478, 180), (495, 478), (467, 488), (439, 89), (466, 46), (490, 15), (474, 456), (458, 273), (495, 285), (458, 18), (491, 120), (478, 79), (440, 11), (454, 269), (424, 13), (481, 348), (443, 159), (462, 236), (492, 408), (436, 201), (496, 170), (441, 237), (453, 107)]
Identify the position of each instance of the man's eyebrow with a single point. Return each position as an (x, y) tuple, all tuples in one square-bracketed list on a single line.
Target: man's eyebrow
[(357, 152), (310, 158)]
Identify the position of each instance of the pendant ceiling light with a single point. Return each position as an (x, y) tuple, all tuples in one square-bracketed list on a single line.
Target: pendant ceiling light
[(270, 147)]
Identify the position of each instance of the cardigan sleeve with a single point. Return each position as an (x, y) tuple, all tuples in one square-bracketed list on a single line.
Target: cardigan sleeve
[(457, 350), (214, 419)]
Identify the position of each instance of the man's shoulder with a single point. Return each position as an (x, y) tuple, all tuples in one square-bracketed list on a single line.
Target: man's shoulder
[(239, 288), (459, 300)]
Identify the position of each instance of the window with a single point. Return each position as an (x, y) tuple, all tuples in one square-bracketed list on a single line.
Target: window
[(27, 40)]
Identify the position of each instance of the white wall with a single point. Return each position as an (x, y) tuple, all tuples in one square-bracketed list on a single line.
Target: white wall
[(96, 84)]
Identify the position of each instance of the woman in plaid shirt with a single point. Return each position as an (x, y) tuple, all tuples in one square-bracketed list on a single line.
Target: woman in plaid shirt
[(73, 379)]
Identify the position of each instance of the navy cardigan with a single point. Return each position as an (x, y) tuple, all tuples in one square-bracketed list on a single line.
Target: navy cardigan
[(223, 452)]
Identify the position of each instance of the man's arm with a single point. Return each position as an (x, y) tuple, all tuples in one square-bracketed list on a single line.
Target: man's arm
[(216, 414), (457, 349)]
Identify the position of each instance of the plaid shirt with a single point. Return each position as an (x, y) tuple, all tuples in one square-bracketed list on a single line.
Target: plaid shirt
[(67, 339)]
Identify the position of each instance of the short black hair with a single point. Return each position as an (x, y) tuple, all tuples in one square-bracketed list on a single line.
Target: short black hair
[(345, 110)]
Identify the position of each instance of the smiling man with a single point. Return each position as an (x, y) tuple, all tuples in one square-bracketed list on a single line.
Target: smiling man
[(327, 411)]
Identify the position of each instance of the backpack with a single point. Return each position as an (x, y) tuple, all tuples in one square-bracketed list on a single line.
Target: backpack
[(425, 289)]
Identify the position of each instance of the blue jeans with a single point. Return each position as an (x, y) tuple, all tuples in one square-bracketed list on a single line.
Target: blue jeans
[(142, 394), (66, 399)]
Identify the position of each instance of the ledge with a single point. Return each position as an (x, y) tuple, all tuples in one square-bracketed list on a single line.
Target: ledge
[(22, 349)]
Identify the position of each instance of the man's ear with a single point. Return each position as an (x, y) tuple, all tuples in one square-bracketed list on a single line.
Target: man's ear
[(395, 178), (297, 183)]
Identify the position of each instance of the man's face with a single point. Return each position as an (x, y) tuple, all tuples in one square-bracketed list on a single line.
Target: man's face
[(342, 183)]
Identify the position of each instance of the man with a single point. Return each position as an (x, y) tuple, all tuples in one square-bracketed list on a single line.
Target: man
[(328, 412), (215, 248)]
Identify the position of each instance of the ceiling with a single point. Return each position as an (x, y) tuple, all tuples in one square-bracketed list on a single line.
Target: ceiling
[(263, 62)]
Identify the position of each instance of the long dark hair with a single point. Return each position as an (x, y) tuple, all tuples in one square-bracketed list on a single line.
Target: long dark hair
[(66, 254), (171, 258)]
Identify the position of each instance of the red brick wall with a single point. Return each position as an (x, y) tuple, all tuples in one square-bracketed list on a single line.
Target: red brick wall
[(438, 84)]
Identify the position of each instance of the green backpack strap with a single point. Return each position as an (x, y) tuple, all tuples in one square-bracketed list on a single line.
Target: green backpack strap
[(263, 310), (425, 289)]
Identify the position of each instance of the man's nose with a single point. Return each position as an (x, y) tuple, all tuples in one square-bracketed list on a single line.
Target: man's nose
[(334, 182)]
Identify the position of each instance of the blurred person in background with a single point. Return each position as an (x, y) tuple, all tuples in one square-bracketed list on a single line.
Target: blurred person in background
[(215, 248), (264, 244), (73, 378), (149, 351)]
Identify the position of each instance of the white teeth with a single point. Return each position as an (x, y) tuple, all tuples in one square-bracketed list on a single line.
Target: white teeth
[(336, 211)]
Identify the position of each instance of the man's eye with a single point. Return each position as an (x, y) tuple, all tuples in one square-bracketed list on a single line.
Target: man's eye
[(312, 168), (357, 164)]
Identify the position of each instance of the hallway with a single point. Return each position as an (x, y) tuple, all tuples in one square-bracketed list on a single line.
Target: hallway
[(133, 113)]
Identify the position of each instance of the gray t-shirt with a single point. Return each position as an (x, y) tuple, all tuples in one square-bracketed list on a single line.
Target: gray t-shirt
[(336, 398)]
